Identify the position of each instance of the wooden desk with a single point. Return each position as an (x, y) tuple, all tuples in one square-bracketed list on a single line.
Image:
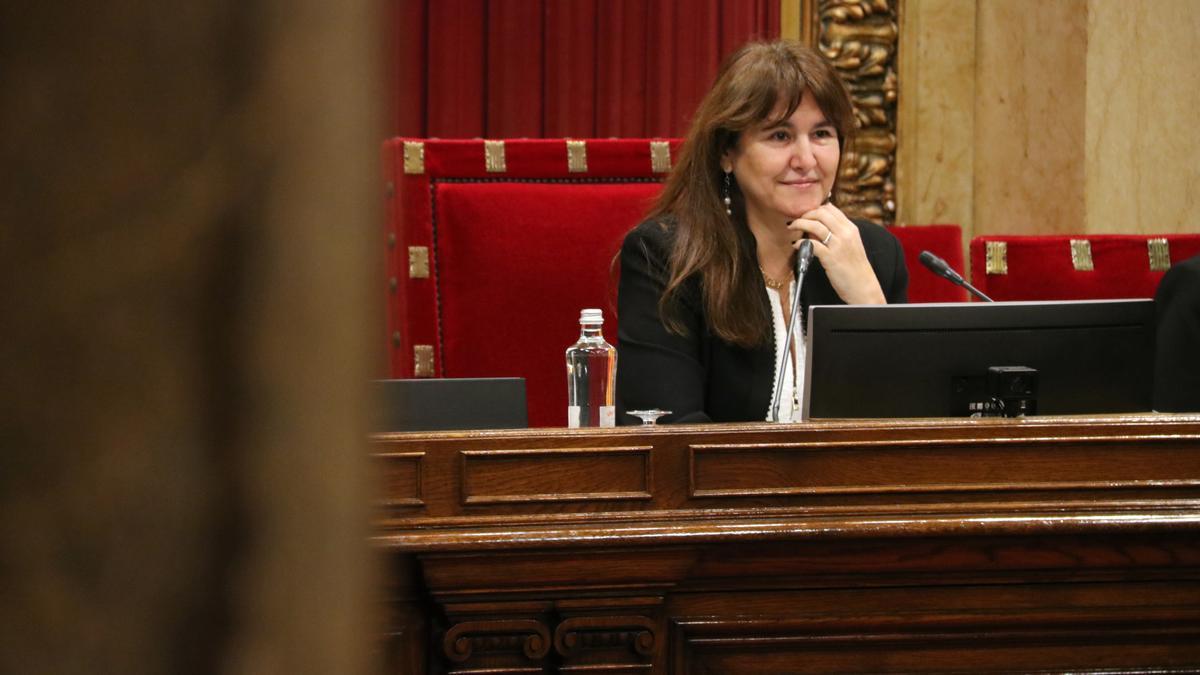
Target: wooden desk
[(846, 546)]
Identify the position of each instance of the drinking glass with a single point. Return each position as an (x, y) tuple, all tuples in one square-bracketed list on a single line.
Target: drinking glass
[(649, 417)]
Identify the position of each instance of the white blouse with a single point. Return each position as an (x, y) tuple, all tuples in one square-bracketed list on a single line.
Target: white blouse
[(793, 370)]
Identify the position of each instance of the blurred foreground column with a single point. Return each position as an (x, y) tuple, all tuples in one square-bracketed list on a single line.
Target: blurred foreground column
[(186, 208)]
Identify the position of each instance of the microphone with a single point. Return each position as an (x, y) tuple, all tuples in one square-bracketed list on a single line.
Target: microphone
[(803, 259), (940, 268)]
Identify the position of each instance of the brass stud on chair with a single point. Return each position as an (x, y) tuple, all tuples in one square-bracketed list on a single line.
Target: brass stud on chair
[(1081, 255), (422, 360), (414, 157), (660, 156), (418, 262), (577, 156), (493, 156), (1159, 250), (997, 257)]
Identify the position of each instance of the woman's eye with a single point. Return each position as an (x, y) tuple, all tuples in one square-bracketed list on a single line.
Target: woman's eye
[(780, 135), (823, 133)]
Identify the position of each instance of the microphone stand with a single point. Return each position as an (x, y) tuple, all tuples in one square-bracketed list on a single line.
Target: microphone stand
[(943, 269), (974, 291), (803, 257)]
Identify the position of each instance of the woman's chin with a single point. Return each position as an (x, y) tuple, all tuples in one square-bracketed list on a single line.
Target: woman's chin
[(799, 210)]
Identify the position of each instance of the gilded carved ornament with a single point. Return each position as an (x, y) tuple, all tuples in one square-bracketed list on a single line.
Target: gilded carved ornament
[(861, 38)]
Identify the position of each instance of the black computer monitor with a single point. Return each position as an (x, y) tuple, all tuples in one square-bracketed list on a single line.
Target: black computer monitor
[(933, 360)]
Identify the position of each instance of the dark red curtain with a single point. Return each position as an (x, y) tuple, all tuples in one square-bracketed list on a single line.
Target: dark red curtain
[(555, 68)]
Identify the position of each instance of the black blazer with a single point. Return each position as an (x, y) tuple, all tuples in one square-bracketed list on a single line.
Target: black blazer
[(1177, 358), (698, 376)]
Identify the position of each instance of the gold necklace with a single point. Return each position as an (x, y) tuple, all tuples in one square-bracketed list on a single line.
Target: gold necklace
[(773, 284)]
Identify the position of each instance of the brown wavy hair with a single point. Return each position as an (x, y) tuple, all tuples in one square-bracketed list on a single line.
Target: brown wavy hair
[(759, 84)]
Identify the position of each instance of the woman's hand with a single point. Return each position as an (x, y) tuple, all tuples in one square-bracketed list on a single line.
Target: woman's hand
[(838, 245)]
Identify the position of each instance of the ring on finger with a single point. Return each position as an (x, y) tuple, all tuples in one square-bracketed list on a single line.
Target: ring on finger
[(825, 241)]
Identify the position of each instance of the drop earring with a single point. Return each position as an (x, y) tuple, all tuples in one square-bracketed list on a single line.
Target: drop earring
[(725, 194)]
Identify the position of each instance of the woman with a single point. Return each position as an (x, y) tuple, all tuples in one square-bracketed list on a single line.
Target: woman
[(705, 285)]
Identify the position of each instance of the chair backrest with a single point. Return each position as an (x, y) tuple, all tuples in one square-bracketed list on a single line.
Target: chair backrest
[(1083, 267), (944, 241), (493, 247)]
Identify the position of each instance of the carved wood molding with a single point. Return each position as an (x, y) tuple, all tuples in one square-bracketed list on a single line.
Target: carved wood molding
[(488, 642), (1002, 519), (638, 632), (464, 638), (787, 601), (861, 38)]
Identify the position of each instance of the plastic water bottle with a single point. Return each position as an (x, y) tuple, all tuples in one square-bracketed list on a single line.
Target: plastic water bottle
[(591, 375)]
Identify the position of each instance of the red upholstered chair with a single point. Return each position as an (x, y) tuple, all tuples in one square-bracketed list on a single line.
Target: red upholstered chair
[(495, 246), (1082, 267), (944, 241)]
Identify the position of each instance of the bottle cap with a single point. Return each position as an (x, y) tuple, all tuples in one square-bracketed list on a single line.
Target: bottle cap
[(591, 316)]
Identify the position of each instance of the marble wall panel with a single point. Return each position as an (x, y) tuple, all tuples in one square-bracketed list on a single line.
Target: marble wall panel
[(1029, 115), (1142, 166), (936, 155)]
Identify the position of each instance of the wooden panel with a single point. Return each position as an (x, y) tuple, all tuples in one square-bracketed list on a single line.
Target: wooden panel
[(1039, 544), (901, 642), (566, 475), (867, 606), (401, 473), (461, 578), (853, 468), (941, 559), (819, 469)]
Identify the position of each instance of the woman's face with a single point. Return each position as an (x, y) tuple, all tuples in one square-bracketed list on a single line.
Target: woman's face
[(787, 169)]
